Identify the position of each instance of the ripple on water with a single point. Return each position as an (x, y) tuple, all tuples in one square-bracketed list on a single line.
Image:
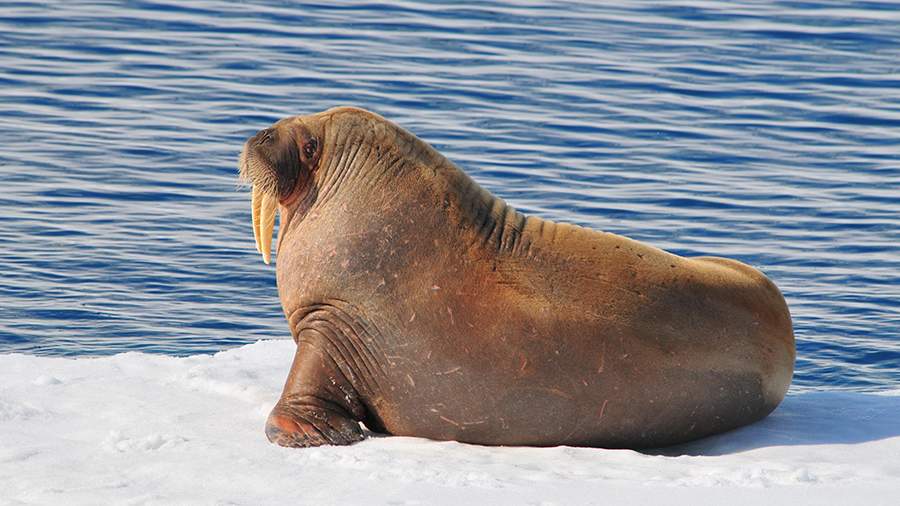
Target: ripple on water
[(766, 132)]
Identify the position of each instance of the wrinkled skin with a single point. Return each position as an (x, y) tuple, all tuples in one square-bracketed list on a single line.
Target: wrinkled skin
[(423, 306)]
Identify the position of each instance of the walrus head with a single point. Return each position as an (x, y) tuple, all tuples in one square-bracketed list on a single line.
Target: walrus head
[(279, 162), (302, 162)]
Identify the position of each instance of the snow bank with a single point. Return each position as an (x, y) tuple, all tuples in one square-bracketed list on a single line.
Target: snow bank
[(146, 429)]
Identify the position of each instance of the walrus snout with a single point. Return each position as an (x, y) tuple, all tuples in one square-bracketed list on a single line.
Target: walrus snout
[(270, 161)]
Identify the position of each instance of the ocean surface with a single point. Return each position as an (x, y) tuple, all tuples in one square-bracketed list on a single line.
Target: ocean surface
[(763, 131)]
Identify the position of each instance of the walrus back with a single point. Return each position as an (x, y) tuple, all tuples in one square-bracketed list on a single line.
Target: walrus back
[(704, 328)]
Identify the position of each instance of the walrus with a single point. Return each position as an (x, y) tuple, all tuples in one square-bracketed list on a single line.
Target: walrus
[(422, 305)]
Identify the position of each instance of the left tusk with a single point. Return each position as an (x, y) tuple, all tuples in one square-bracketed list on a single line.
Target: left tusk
[(255, 202), (268, 210)]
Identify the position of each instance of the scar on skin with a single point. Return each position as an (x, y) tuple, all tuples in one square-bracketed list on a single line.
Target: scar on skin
[(602, 408), (602, 359), (555, 392)]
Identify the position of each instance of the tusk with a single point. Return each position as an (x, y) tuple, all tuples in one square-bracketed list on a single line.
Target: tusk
[(255, 201), (268, 210)]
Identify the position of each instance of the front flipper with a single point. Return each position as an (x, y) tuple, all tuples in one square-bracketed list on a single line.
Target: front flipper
[(318, 405), (304, 422)]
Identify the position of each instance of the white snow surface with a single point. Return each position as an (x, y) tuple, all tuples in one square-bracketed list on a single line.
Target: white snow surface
[(148, 429)]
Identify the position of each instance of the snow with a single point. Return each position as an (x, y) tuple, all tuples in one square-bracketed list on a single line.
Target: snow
[(147, 429)]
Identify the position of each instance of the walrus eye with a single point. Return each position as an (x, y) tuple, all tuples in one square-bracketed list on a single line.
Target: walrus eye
[(309, 149)]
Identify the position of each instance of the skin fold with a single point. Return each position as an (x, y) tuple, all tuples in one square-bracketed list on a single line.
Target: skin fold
[(424, 306)]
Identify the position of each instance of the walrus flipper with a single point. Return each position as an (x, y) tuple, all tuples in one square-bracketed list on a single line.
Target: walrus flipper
[(313, 412)]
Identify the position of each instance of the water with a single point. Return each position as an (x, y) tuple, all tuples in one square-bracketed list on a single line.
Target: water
[(763, 131)]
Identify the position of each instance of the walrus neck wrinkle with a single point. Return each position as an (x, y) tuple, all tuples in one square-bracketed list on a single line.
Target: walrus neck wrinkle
[(394, 156), (381, 155), (360, 161), (495, 226)]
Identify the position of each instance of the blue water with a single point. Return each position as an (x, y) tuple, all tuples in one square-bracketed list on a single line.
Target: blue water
[(763, 131)]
